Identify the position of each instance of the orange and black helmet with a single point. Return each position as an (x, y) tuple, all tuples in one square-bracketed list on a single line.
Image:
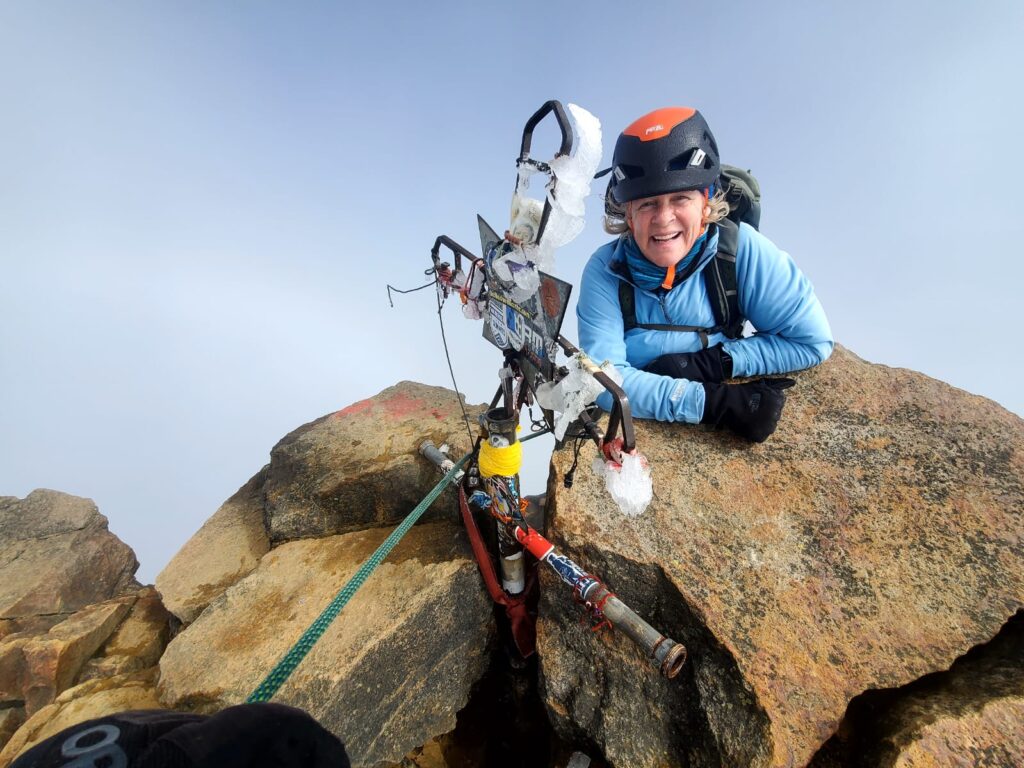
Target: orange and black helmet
[(667, 150)]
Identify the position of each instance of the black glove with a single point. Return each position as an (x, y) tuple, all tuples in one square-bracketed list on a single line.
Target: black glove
[(751, 410), (713, 364)]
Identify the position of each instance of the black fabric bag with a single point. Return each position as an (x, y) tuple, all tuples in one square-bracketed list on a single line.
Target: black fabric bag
[(245, 736)]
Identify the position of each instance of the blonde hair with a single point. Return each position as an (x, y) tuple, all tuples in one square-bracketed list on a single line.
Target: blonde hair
[(615, 214)]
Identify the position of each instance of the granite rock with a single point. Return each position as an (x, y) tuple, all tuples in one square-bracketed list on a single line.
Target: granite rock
[(872, 540), (225, 549), (391, 671), (57, 556), (360, 467)]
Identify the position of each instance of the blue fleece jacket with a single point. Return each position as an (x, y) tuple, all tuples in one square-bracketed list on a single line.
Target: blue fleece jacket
[(791, 331)]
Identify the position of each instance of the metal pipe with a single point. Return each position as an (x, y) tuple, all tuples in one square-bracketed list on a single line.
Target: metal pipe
[(591, 428), (524, 152), (454, 247), (499, 426), (445, 464), (539, 433), (664, 651)]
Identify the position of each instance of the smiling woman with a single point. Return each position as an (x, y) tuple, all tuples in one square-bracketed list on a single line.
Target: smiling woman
[(667, 300), (666, 227)]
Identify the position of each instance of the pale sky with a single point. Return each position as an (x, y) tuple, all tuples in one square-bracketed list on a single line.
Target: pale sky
[(201, 204)]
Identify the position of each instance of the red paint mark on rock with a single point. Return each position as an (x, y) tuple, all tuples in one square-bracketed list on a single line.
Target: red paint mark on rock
[(352, 410), (400, 405)]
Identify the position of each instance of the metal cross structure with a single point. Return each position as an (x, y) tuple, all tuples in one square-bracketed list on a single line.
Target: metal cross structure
[(523, 308)]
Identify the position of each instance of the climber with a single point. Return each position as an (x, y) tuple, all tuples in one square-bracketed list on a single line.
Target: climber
[(667, 299), (244, 736)]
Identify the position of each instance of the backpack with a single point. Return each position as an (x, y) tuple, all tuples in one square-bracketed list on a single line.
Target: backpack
[(743, 194)]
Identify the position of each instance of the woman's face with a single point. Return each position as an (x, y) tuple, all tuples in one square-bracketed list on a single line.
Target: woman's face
[(665, 227)]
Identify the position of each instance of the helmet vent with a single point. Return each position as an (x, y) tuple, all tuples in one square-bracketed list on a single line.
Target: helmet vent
[(629, 171), (695, 158)]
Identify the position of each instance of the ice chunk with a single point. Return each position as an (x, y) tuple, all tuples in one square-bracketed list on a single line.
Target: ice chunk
[(568, 186), (501, 269), (526, 279), (570, 183), (516, 274), (474, 309), (476, 284), (541, 259), (549, 397), (470, 287), (560, 229), (575, 391), (525, 172), (579, 388), (629, 485), (517, 269), (574, 173)]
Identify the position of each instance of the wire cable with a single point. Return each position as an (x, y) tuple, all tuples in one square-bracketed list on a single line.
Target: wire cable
[(408, 290), (447, 356), (444, 339)]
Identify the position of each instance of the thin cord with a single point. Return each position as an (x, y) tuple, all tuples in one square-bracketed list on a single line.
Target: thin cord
[(444, 340), (535, 425), (409, 290), (567, 481)]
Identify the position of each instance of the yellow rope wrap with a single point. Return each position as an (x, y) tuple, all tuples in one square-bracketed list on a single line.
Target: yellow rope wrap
[(500, 461)]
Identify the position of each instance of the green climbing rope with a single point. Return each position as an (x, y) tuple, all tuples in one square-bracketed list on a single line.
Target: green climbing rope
[(279, 674)]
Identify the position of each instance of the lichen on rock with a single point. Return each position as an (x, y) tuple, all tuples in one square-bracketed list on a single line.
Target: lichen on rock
[(873, 539)]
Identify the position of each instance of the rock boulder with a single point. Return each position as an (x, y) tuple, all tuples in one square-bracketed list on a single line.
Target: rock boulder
[(137, 643), (57, 556), (973, 714), (390, 673), (225, 549), (11, 719), (360, 467), (53, 661), (102, 641), (353, 469), (873, 539), (95, 698)]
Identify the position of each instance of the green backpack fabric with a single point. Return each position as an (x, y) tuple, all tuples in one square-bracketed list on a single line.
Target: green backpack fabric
[(743, 194)]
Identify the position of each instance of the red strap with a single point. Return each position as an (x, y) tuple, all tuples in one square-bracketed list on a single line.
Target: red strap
[(524, 629), (483, 558)]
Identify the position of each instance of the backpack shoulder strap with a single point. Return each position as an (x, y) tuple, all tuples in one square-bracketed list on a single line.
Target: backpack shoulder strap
[(627, 302), (720, 281)]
